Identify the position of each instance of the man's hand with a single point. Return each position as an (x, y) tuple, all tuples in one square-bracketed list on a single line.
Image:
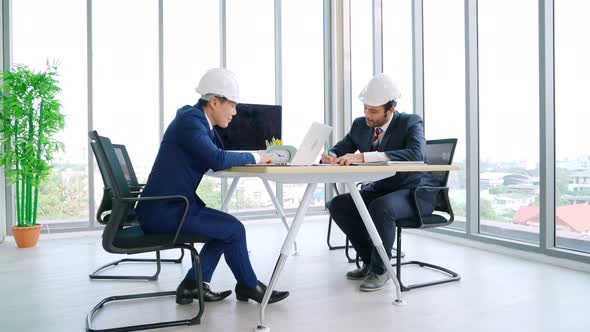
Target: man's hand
[(329, 158), (265, 158), (350, 158)]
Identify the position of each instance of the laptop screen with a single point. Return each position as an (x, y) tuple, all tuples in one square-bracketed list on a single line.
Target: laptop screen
[(312, 144)]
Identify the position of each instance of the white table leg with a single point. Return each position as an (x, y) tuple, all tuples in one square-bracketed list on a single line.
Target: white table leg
[(230, 193), (372, 230), (279, 209), (285, 251)]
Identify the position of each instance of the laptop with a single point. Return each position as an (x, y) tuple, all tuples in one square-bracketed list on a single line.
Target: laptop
[(310, 147)]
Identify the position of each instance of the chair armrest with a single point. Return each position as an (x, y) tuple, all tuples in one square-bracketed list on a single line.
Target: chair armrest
[(104, 206), (444, 191), (172, 197), (138, 187)]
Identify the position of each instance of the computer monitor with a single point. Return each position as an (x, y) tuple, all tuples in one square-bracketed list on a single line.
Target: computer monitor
[(252, 125)]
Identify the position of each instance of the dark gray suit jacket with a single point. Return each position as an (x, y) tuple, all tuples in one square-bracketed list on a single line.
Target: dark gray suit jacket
[(403, 140)]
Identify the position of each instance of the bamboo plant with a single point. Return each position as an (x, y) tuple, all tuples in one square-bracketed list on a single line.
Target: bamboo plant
[(30, 117)]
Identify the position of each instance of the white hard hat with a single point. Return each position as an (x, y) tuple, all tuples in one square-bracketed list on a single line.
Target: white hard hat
[(379, 91), (219, 82)]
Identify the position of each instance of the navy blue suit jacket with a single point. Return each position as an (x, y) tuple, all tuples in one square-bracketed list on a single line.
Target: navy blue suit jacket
[(403, 140), (188, 150)]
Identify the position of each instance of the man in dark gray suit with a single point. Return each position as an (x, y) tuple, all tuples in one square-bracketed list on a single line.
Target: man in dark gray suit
[(382, 134)]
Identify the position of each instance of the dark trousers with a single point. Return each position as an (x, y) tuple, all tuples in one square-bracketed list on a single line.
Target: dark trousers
[(228, 237), (385, 209)]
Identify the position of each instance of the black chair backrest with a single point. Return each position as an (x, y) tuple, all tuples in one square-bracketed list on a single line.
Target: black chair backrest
[(101, 164), (114, 177), (126, 166), (103, 211), (124, 162), (441, 152)]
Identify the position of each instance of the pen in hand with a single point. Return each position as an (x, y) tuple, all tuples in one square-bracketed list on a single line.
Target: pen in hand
[(327, 158)]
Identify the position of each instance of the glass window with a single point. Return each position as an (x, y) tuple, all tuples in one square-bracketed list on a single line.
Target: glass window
[(251, 56), (509, 118), (125, 38), (361, 53), (250, 48), (572, 195), (444, 88), (64, 195), (303, 81), (188, 52), (397, 49)]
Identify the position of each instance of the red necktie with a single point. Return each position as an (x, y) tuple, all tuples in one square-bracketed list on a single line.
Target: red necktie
[(375, 141)]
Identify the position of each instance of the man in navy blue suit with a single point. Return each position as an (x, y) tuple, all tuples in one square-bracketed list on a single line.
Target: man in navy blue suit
[(190, 147), (382, 134)]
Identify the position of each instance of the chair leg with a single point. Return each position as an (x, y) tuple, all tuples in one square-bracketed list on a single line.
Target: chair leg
[(330, 246), (358, 261), (197, 266), (347, 252), (394, 253), (398, 260), (346, 245), (195, 320), (452, 276), (95, 276)]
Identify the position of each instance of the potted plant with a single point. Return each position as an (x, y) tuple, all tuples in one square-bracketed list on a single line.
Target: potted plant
[(30, 116)]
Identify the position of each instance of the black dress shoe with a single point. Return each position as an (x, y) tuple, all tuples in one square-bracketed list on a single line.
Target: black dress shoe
[(257, 293), (188, 290)]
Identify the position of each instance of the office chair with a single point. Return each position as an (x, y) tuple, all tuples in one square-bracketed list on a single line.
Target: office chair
[(104, 212), (121, 238), (438, 152)]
